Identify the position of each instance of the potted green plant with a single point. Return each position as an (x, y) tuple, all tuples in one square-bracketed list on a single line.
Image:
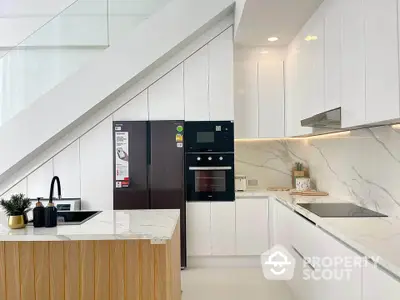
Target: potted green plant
[(15, 209)]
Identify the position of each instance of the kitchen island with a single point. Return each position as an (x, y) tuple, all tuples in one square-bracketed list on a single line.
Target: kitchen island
[(114, 255)]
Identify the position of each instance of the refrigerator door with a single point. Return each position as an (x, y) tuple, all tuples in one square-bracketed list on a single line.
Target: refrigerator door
[(166, 172), (136, 194)]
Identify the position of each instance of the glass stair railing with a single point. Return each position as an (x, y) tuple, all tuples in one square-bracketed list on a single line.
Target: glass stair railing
[(62, 45)]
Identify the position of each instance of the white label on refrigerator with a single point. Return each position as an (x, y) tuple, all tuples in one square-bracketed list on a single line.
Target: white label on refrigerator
[(122, 155)]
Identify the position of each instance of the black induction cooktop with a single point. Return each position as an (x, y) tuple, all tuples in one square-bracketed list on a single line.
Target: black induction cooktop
[(340, 210)]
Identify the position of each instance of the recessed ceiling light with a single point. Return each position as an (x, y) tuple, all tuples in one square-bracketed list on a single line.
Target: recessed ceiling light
[(309, 38), (273, 39), (264, 51)]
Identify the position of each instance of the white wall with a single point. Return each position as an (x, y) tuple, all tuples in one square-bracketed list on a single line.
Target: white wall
[(121, 64), (85, 165), (61, 46), (71, 22), (19, 18)]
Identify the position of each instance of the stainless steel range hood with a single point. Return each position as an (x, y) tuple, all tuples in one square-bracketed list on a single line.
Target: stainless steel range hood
[(331, 119)]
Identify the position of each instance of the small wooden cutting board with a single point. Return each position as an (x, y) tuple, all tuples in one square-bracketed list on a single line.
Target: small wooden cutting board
[(308, 193), (278, 189)]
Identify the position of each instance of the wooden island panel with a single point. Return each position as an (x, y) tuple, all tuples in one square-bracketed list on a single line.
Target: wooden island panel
[(91, 270)]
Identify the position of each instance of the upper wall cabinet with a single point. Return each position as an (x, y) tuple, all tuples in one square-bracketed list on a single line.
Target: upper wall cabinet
[(293, 102), (348, 57), (313, 53), (135, 110), (246, 98), (196, 83), (382, 60), (353, 64), (166, 99), (221, 76), (259, 95), (67, 167), (333, 54), (271, 102)]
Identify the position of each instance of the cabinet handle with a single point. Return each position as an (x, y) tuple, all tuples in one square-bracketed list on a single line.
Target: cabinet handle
[(302, 257)]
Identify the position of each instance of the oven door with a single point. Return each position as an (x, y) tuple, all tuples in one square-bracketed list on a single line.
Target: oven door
[(211, 182)]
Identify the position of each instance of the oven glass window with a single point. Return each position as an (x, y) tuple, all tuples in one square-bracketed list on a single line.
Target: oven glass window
[(205, 137), (210, 181)]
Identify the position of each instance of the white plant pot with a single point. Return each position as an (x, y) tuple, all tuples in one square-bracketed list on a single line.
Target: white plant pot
[(303, 184)]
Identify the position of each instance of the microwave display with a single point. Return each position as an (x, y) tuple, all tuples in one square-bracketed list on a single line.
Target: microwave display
[(205, 137)]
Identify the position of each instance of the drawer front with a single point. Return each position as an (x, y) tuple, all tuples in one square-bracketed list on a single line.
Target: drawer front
[(305, 236)]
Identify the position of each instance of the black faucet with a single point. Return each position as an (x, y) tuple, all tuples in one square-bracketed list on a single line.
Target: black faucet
[(55, 178)]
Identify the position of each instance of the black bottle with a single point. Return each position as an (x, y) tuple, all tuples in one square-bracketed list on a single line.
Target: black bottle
[(38, 214), (50, 215), (50, 212)]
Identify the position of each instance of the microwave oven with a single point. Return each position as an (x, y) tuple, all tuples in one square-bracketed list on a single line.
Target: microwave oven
[(209, 136)]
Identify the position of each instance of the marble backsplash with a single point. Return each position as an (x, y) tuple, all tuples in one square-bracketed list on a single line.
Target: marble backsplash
[(362, 165)]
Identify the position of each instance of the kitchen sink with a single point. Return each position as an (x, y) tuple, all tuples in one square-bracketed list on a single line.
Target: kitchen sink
[(73, 217)]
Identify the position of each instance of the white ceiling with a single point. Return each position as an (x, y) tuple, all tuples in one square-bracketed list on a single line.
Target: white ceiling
[(281, 18)]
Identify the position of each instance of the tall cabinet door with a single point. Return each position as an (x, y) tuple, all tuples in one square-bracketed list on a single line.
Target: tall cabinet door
[(136, 195), (166, 172), (66, 165), (333, 54), (97, 167), (382, 61), (196, 86), (353, 64), (166, 98), (221, 77), (271, 102)]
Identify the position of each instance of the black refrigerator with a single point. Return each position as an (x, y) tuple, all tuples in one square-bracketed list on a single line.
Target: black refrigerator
[(149, 168)]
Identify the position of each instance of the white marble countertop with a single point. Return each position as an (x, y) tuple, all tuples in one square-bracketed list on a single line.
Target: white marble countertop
[(376, 238), (157, 225)]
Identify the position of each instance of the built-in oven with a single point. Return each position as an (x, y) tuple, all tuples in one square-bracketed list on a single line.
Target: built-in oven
[(209, 136), (210, 177)]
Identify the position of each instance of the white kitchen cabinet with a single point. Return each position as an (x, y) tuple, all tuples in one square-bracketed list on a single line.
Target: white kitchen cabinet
[(353, 64), (223, 228), (291, 96), (304, 239), (271, 109), (377, 284), (166, 97), (67, 168), (221, 77), (382, 60), (198, 228), (246, 99), (19, 188), (252, 234), (39, 181), (314, 48), (196, 70), (259, 97), (96, 153), (333, 53), (303, 75), (293, 103), (280, 223), (136, 109)]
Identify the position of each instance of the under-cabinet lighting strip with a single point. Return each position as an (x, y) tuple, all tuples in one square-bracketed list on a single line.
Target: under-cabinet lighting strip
[(320, 136)]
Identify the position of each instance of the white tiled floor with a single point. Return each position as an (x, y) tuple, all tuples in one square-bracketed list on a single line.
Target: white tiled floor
[(231, 284)]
